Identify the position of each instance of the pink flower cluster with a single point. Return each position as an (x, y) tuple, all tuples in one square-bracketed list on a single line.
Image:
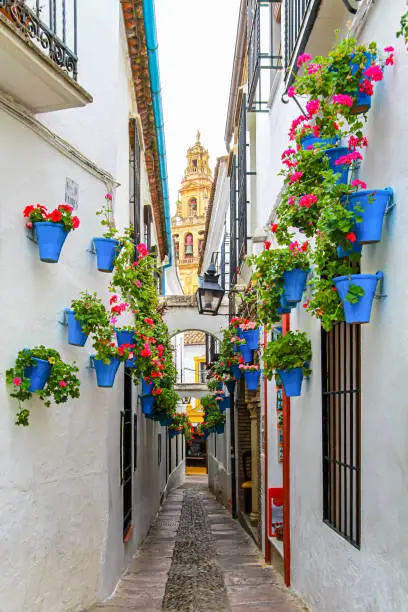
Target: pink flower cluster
[(355, 142), (359, 184), (295, 177), (312, 107), (303, 59), (142, 250), (306, 201), (374, 73), (313, 68), (348, 159), (296, 247), (248, 326), (343, 99), (249, 367)]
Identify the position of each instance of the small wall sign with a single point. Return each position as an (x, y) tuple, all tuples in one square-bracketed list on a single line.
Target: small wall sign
[(71, 193)]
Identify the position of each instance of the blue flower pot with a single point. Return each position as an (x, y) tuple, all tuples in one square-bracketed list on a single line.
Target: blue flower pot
[(235, 348), (240, 333), (219, 429), (342, 170), (252, 380), (126, 336), (38, 374), (356, 247), (106, 251), (361, 311), (362, 102), (246, 353), (165, 420), (230, 384), (292, 381), (146, 387), (251, 337), (75, 334), (309, 142), (50, 237), (224, 403), (369, 229), (106, 372), (173, 433), (205, 435), (285, 307), (148, 402), (236, 372), (294, 282)]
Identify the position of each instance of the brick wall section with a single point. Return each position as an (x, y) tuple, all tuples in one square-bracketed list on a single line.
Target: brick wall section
[(243, 439)]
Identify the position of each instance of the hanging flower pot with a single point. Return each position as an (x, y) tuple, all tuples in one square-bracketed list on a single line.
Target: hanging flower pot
[(51, 238), (236, 372), (106, 251), (230, 384), (219, 429), (126, 336), (148, 402), (294, 283), (343, 169), (252, 379), (311, 142), (284, 308), (357, 308), (292, 381), (38, 374), (251, 336), (356, 247), (165, 420), (373, 205), (106, 372), (362, 100), (147, 388), (75, 334), (246, 353), (173, 433), (224, 403)]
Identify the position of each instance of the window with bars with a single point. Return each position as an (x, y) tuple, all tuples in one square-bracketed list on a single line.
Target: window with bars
[(134, 179), (233, 223), (147, 225), (341, 387), (242, 185), (300, 16)]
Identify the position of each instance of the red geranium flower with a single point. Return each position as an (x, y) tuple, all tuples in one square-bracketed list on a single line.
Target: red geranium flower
[(55, 216)]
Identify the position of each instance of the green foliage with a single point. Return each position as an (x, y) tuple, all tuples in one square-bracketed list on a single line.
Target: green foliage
[(403, 31), (61, 372), (90, 311), (287, 352), (354, 293)]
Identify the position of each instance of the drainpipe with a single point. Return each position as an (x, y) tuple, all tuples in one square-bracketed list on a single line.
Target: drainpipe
[(286, 471), (266, 486), (155, 88)]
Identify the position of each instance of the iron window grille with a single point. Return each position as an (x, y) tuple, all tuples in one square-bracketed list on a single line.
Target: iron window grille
[(147, 223), (242, 220), (300, 16), (264, 51), (233, 224), (126, 453), (134, 179), (52, 26), (341, 387)]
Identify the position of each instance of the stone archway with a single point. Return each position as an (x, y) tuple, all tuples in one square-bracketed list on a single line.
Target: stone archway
[(182, 315)]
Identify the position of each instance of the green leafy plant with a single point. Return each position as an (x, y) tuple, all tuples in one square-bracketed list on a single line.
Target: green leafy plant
[(61, 385), (403, 31), (106, 349), (90, 311), (293, 350)]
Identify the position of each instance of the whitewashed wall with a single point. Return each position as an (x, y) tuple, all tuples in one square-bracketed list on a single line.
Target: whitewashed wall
[(60, 496), (329, 573)]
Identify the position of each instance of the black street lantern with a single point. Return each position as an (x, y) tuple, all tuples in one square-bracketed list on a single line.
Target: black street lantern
[(210, 293)]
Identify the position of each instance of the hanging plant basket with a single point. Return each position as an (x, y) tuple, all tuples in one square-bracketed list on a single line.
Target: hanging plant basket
[(252, 380), (38, 374), (219, 429), (285, 307), (147, 388), (311, 142), (342, 170), (374, 204), (359, 312), (173, 433), (126, 336), (246, 353), (51, 238), (230, 384), (165, 420), (224, 403), (148, 402), (106, 251), (106, 372), (356, 247), (362, 101), (292, 381), (76, 336), (251, 337), (294, 283), (236, 372)]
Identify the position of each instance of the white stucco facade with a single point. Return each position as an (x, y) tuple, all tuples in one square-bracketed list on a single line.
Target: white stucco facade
[(61, 510)]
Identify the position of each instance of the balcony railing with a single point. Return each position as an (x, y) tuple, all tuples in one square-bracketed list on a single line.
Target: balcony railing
[(51, 25), (264, 50), (300, 16)]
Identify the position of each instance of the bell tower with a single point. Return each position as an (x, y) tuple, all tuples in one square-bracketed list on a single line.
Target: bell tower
[(188, 225)]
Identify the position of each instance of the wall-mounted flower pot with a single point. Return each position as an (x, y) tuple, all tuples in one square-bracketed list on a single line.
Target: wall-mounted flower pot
[(126, 336), (106, 251), (165, 420), (252, 379), (236, 372), (359, 312), (230, 384), (374, 203), (311, 142), (246, 353), (292, 381), (50, 238), (38, 374), (219, 429), (284, 308), (251, 337), (75, 334), (148, 402), (205, 435), (362, 101), (173, 433), (356, 247), (224, 403), (343, 170), (106, 372), (147, 388), (219, 387), (294, 283)]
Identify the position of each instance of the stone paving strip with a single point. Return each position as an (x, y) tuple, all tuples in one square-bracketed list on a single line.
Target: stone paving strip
[(197, 559)]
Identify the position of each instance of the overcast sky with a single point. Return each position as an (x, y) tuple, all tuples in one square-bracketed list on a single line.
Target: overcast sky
[(196, 49)]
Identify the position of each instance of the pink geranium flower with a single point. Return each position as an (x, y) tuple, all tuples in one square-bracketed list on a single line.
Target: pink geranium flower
[(374, 73), (291, 91), (62, 383), (360, 184), (302, 59), (312, 107), (17, 381), (295, 177), (343, 99)]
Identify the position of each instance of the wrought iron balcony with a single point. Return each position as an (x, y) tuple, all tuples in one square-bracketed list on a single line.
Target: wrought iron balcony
[(61, 15), (264, 52)]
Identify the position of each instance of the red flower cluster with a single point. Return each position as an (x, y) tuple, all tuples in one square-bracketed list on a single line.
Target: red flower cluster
[(61, 214), (307, 200)]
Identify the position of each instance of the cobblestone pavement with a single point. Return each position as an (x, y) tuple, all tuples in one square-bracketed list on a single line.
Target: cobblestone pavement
[(197, 559)]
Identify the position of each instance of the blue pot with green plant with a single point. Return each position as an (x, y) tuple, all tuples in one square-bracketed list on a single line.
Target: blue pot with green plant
[(356, 292)]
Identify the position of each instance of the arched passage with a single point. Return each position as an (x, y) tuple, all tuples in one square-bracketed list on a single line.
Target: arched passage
[(182, 315)]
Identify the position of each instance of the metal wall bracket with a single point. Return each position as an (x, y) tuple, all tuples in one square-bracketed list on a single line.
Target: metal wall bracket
[(91, 248), (391, 200), (31, 235), (380, 295), (91, 365), (63, 318)]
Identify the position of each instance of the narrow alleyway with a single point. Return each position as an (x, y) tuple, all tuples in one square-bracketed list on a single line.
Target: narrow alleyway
[(197, 559)]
